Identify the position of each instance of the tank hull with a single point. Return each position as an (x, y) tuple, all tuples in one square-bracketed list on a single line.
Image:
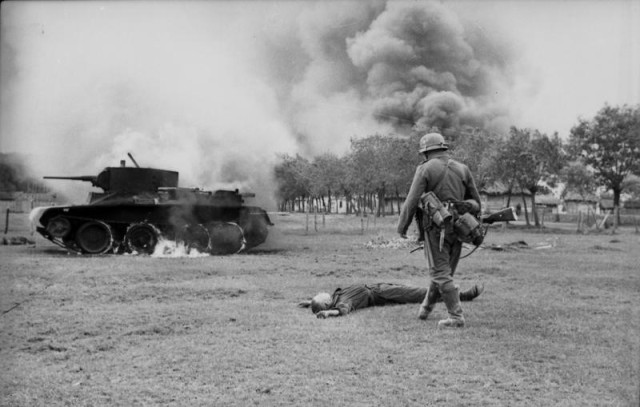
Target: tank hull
[(135, 227), (138, 207)]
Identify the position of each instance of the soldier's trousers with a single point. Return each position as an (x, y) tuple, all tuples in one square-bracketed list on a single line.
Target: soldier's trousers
[(442, 263)]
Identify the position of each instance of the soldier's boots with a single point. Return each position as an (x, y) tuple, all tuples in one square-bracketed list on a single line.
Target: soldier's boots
[(471, 293), (430, 300), (451, 323), (451, 298)]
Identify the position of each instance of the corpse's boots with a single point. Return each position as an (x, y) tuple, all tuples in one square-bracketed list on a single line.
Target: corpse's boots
[(430, 300), (451, 299), (471, 293)]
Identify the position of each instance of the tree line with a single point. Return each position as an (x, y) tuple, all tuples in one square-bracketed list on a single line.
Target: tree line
[(601, 152), (13, 176)]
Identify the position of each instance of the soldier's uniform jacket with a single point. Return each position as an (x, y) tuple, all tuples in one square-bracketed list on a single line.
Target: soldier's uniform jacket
[(454, 184), (358, 296)]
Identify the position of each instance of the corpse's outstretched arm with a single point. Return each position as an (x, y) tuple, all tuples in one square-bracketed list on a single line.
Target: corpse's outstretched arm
[(328, 313), (320, 314)]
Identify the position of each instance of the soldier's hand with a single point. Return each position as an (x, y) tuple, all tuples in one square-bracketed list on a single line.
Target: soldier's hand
[(322, 314)]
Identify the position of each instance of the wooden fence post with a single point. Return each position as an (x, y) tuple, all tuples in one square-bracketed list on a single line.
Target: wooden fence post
[(306, 228), (6, 223), (315, 218), (579, 222)]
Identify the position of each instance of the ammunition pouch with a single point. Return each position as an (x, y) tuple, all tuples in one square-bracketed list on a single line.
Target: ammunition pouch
[(437, 213), (468, 229)]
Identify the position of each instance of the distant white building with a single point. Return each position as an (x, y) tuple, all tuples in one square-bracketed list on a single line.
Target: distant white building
[(23, 202)]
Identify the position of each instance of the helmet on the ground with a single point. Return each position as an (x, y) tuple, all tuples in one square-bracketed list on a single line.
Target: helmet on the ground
[(432, 141)]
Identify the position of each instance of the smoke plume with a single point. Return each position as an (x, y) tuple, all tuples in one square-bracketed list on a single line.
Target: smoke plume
[(215, 90), (389, 67)]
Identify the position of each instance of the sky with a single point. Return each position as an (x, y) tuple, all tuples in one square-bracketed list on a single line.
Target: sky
[(217, 90), (583, 54)]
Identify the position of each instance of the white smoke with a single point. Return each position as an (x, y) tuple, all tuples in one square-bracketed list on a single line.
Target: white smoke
[(215, 90), (93, 81)]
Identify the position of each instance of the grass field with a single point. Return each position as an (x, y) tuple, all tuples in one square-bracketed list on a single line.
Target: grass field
[(557, 325)]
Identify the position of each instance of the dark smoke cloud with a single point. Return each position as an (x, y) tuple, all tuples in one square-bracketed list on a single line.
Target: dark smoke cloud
[(404, 64)]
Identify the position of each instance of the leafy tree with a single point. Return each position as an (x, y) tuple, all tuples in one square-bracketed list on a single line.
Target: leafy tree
[(14, 175), (382, 165), (364, 164), (631, 184), (577, 178), (8, 178), (347, 184), (506, 166), (479, 150), (368, 163), (531, 158), (327, 174), (300, 179), (610, 145), (403, 160), (292, 176)]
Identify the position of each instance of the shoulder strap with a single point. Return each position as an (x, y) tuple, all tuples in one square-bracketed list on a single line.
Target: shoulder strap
[(444, 173), (455, 171), (441, 178)]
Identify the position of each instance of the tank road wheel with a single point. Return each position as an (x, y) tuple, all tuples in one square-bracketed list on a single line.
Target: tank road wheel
[(255, 230), (226, 237), (196, 237), (141, 238), (59, 227), (94, 237)]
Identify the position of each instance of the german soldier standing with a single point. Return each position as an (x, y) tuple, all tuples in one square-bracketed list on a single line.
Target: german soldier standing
[(440, 183)]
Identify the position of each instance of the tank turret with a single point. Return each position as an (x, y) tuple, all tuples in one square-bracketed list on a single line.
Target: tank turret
[(139, 206), (128, 180)]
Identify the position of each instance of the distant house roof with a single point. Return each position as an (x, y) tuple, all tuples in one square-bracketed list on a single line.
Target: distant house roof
[(632, 204), (41, 196), (547, 200), (7, 196), (19, 195), (499, 188), (575, 197), (606, 203)]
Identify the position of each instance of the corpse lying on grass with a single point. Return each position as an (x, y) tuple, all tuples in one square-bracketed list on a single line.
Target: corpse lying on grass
[(357, 296)]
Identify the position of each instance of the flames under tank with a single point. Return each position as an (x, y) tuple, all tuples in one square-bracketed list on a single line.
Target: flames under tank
[(140, 206)]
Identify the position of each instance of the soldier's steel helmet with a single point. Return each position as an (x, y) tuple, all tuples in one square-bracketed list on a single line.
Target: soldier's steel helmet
[(432, 141)]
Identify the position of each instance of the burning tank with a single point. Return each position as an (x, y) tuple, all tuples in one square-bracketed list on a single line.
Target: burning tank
[(140, 206)]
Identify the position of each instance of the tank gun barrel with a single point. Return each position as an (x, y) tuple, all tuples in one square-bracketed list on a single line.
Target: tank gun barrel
[(87, 178)]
